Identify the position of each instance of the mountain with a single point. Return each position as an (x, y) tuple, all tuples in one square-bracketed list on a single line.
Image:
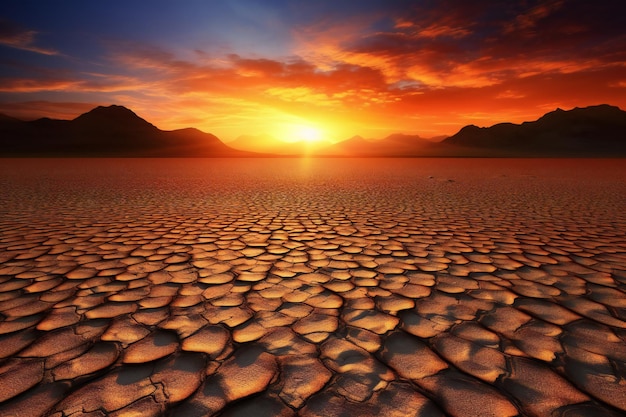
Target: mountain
[(595, 131), (394, 145), (4, 119), (113, 131)]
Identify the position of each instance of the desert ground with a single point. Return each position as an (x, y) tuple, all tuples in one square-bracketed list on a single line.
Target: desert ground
[(312, 287)]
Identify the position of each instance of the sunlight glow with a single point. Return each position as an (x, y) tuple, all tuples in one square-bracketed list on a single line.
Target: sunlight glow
[(309, 134), (302, 133)]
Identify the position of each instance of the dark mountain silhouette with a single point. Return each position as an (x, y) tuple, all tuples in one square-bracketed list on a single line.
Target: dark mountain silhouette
[(106, 131), (6, 119), (597, 131), (115, 131)]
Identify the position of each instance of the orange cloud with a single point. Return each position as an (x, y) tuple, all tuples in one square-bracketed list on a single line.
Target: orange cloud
[(31, 110), (30, 85), (15, 37)]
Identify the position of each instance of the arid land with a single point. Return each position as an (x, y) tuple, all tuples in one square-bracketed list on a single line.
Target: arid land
[(312, 287)]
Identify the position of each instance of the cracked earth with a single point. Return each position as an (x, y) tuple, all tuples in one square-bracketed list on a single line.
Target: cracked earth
[(312, 288)]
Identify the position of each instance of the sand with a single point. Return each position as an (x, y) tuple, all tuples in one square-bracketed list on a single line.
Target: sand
[(332, 287)]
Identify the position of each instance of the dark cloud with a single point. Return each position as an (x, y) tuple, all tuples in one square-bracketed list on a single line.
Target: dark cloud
[(464, 30)]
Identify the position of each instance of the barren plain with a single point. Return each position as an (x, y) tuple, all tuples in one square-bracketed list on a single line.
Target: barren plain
[(312, 287)]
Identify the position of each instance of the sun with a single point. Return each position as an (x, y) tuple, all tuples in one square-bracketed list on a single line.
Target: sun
[(308, 133), (301, 132)]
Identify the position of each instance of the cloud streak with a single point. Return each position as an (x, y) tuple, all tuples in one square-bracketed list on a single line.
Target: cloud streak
[(15, 37)]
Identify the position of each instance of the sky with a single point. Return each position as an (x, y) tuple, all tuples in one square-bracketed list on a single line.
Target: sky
[(312, 69)]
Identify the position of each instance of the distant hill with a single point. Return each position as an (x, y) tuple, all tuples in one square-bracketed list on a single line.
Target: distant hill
[(395, 145), (256, 143), (113, 131), (595, 131)]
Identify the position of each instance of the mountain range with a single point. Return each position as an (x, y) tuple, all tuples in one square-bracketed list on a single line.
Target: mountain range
[(115, 131), (590, 131), (395, 145)]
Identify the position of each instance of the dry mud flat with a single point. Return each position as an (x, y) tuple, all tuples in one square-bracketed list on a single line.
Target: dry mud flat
[(335, 288)]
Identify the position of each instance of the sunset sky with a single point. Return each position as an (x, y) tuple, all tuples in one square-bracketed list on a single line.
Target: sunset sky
[(312, 69)]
